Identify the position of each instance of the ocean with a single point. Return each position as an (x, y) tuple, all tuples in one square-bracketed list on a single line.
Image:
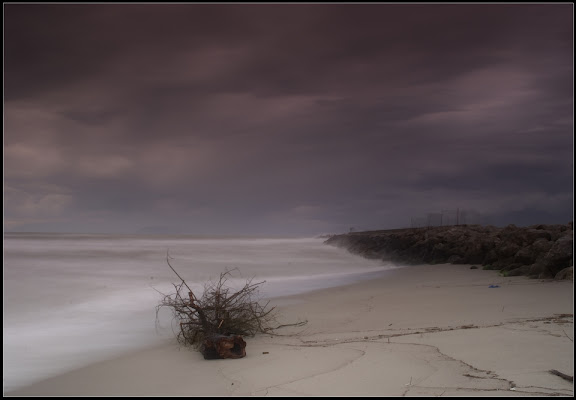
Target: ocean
[(74, 299)]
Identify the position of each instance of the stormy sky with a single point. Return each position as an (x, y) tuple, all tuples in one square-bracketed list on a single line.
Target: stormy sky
[(293, 119)]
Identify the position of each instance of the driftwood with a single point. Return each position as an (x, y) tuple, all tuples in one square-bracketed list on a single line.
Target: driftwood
[(215, 322), (222, 346), (561, 375)]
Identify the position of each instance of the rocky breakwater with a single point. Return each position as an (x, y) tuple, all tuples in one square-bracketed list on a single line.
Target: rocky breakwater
[(537, 251)]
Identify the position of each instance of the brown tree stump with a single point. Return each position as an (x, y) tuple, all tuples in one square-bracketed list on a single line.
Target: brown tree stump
[(222, 346)]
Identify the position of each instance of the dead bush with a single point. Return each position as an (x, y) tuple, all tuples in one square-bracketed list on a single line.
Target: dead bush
[(220, 311)]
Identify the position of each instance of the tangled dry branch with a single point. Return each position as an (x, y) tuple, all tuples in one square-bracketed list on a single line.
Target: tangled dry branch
[(219, 311)]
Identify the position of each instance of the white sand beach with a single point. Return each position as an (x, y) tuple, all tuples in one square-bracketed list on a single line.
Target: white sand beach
[(430, 330)]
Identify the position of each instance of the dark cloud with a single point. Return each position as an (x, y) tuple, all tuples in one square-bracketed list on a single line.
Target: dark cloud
[(285, 118)]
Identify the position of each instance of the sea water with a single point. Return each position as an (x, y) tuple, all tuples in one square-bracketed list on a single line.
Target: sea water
[(71, 300)]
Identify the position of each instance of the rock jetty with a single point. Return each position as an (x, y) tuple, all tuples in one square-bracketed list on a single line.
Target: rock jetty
[(537, 251)]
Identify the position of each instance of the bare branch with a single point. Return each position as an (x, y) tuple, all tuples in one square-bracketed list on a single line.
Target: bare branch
[(220, 310)]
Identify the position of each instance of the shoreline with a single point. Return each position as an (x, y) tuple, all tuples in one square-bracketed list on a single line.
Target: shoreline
[(424, 330)]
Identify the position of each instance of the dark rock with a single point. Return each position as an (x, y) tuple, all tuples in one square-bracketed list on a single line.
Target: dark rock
[(534, 252), (526, 255), (503, 263), (543, 249), (535, 234), (490, 258), (536, 270), (454, 260), (560, 254), (508, 249), (523, 270), (566, 273), (511, 266)]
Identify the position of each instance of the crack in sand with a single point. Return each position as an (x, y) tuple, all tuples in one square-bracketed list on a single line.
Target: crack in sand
[(557, 318), (494, 376), (533, 329), (541, 329), (255, 393), (567, 392), (467, 389), (490, 375), (232, 380), (279, 386), (384, 335)]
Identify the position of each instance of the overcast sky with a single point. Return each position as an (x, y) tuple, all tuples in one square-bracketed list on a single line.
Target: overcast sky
[(285, 118)]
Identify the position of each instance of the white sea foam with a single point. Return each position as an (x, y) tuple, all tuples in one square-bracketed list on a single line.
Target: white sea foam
[(70, 300)]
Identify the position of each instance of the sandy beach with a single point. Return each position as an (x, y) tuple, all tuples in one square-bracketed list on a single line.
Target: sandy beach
[(430, 330)]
